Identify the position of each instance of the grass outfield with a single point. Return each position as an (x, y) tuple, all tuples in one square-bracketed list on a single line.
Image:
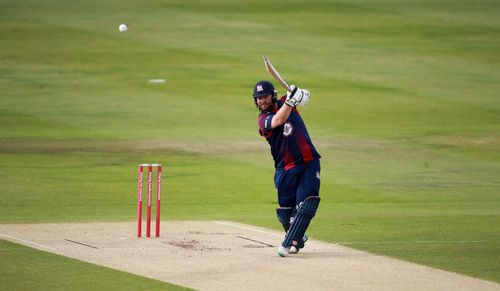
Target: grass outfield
[(404, 109), (28, 269)]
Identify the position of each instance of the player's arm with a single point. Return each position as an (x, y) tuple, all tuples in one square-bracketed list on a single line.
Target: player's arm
[(281, 116)]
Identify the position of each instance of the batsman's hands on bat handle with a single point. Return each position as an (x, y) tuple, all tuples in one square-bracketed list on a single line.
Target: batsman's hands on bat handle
[(297, 96), (305, 97), (293, 97)]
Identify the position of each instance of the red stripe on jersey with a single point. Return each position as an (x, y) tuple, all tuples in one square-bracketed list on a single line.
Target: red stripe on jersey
[(288, 159), (305, 150)]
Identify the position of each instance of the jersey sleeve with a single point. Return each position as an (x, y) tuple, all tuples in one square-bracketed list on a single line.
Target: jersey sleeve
[(264, 122)]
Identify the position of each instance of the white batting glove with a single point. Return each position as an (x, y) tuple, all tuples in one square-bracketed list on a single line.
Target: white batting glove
[(295, 97), (305, 97)]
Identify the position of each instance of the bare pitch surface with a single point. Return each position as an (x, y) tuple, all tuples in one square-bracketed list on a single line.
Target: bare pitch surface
[(217, 255)]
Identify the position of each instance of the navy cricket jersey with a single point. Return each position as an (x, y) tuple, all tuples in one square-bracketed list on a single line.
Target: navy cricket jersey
[(290, 143)]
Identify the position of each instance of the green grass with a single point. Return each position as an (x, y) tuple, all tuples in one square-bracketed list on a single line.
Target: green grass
[(404, 109), (28, 269)]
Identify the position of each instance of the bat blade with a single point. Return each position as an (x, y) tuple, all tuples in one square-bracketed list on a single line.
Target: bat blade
[(274, 73)]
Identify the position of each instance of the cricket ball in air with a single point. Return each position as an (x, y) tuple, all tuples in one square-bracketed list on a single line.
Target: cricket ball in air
[(122, 27)]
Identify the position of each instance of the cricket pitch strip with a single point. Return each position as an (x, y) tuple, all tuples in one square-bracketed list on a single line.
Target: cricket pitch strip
[(223, 255)]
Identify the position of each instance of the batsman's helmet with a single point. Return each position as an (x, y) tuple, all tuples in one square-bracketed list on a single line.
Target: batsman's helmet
[(264, 88)]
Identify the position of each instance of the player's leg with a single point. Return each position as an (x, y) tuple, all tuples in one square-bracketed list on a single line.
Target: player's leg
[(306, 211), (308, 202), (284, 214), (286, 185)]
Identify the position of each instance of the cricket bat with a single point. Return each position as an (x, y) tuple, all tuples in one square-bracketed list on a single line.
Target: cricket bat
[(275, 74)]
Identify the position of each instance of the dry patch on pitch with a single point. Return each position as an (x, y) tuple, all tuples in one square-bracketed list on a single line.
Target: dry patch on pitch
[(221, 255)]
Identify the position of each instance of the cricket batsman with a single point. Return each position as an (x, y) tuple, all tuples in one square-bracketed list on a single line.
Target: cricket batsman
[(296, 161)]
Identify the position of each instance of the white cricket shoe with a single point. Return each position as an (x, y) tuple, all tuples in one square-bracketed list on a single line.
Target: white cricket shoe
[(283, 251), (296, 249)]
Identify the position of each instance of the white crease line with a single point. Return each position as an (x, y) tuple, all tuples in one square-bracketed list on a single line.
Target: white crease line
[(27, 242), (247, 228)]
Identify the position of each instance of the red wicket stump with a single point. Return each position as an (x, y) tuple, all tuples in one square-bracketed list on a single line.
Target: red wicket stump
[(150, 198)]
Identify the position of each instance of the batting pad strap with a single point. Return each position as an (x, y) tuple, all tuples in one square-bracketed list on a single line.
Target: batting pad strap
[(284, 214), (305, 212)]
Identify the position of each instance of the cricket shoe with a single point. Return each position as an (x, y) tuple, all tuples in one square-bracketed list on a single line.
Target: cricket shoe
[(283, 251), (300, 245)]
